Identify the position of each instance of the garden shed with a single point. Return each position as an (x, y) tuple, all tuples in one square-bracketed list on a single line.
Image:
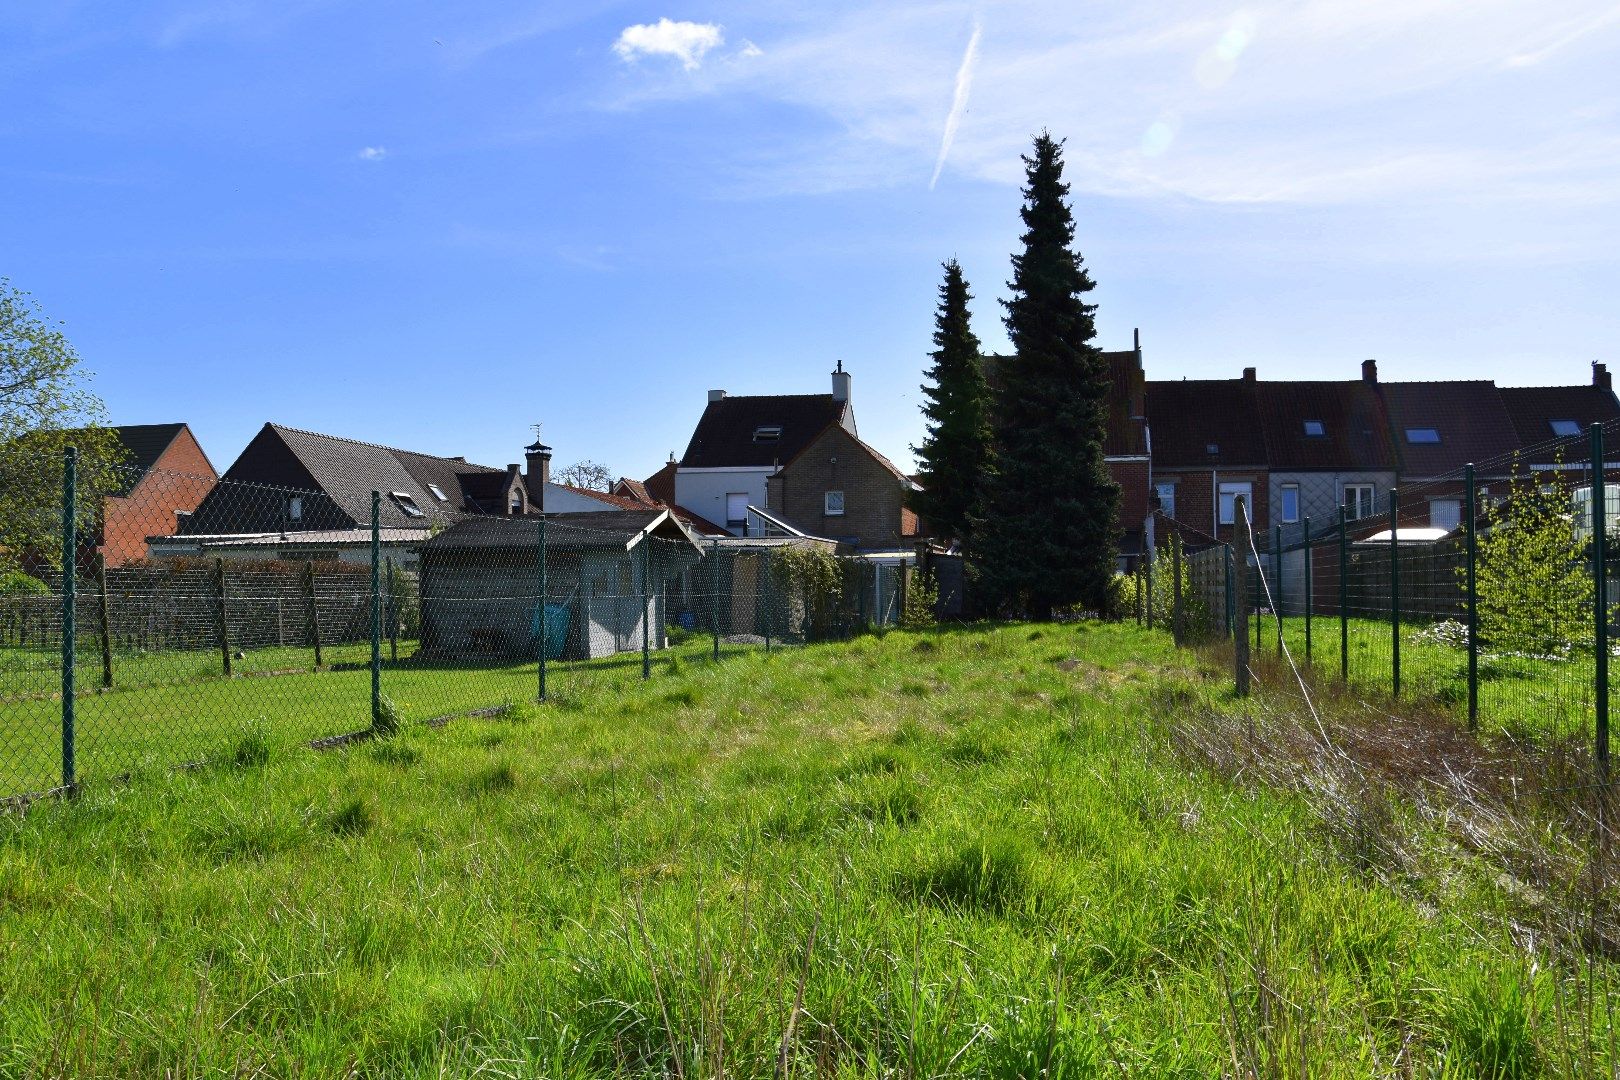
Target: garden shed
[(480, 584)]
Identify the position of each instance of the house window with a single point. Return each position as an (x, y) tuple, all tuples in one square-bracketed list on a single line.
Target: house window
[(406, 504), (1290, 503), (736, 509), (1422, 436), (514, 502), (295, 509), (832, 503), (768, 433), (1228, 501), (1314, 429), (1167, 499), (1445, 513), (438, 492), (1357, 501), (1563, 429)]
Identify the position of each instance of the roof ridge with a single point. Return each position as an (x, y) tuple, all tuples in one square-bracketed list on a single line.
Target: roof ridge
[(380, 446)]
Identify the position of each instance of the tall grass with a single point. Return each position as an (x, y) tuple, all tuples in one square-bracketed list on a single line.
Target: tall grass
[(970, 852)]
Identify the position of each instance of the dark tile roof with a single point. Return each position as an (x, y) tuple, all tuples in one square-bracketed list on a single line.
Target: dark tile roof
[(1124, 437), (1534, 408), (725, 433), (1355, 431), (1188, 417), (145, 443), (1469, 416), (602, 529)]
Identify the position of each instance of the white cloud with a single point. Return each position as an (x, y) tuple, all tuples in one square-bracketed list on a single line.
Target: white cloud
[(685, 41), (372, 153), (964, 85)]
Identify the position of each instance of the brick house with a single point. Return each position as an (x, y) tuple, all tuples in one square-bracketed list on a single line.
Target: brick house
[(840, 488), (1125, 449), (1207, 449), (166, 476)]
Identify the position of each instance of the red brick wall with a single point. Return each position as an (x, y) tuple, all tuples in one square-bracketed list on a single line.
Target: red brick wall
[(178, 481), (1132, 478), (1195, 500)]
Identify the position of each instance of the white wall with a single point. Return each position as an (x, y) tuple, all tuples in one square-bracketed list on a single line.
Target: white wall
[(703, 491)]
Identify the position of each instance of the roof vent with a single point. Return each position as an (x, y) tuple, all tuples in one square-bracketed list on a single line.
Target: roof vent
[(716, 395)]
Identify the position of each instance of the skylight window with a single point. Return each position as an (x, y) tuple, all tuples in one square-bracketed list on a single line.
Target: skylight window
[(1315, 429), (1419, 436), (438, 493), (768, 433), (406, 504), (1564, 428), (1212, 448)]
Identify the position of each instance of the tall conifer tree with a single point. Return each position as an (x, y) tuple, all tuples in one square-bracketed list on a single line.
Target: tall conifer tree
[(954, 456), (1049, 535)]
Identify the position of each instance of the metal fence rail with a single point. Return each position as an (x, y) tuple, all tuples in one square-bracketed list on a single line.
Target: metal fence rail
[(273, 617), (1489, 591)]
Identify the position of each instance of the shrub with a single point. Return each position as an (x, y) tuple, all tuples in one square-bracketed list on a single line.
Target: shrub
[(17, 583)]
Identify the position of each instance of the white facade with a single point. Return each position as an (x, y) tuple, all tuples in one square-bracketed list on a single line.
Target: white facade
[(709, 492)]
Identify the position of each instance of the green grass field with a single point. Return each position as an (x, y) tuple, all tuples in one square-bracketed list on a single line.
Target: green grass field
[(1524, 697), (964, 853)]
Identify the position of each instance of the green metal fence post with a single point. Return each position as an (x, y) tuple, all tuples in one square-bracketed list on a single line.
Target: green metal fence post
[(545, 620), (1471, 599), (376, 607), (1344, 596), (1310, 599), (70, 559), (1277, 585), (646, 607), (1600, 605), (1395, 591), (714, 597)]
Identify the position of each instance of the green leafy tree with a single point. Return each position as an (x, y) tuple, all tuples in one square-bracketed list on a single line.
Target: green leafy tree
[(1049, 534), (45, 407), (954, 457), (1534, 589)]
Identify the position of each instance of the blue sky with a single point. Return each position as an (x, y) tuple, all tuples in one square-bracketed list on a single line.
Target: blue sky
[(433, 225)]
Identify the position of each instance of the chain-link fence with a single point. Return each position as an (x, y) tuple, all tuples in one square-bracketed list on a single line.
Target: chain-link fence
[(258, 618), (1488, 591)]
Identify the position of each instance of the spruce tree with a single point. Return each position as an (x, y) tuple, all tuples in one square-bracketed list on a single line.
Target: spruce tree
[(1049, 533), (955, 454)]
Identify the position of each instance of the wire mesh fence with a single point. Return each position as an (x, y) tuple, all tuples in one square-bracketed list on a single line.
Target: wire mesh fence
[(1488, 591), (149, 621)]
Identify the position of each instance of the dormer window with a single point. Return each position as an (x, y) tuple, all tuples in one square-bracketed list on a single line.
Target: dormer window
[(1563, 429), (1314, 429), (768, 433), (406, 504), (438, 493), (1422, 436)]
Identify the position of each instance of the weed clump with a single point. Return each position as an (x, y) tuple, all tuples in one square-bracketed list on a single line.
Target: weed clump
[(395, 753), (252, 750), (350, 819), (988, 873), (499, 776)]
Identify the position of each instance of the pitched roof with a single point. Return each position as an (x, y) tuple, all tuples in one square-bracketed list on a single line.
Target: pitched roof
[(661, 484), (604, 528), (1190, 417), (1468, 417), (1534, 408), (1123, 436), (1354, 432), (145, 443), (633, 489), (726, 433)]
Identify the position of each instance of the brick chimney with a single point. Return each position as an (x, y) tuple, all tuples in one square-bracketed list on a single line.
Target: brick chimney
[(538, 457), (1369, 371), (1600, 376), (1249, 375)]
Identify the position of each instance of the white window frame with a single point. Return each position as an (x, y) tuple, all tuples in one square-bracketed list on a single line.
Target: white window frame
[(1226, 500), (1359, 510), (438, 493), (741, 521), (832, 503), (1282, 504), (406, 504), (1167, 499), (295, 508), (1457, 506)]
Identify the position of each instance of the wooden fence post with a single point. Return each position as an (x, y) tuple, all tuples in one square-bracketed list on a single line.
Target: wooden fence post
[(1240, 606)]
